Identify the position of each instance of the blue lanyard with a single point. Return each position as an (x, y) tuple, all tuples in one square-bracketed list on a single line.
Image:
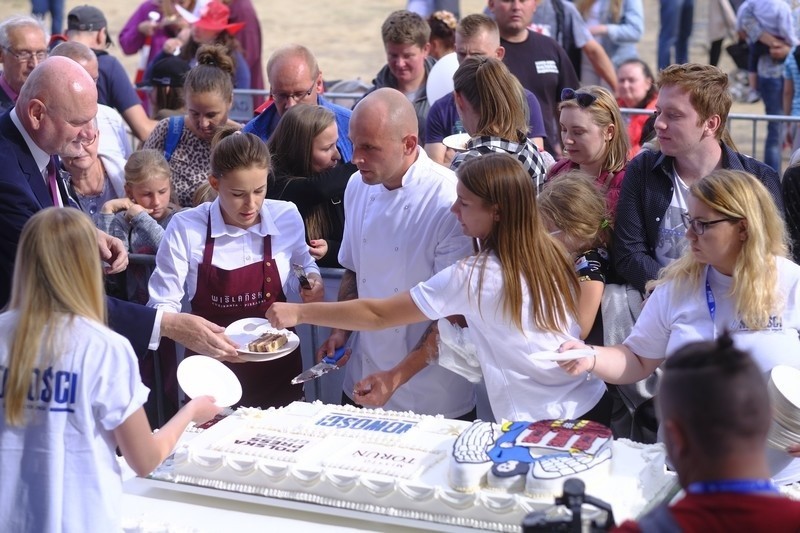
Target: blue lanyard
[(712, 303), (738, 486)]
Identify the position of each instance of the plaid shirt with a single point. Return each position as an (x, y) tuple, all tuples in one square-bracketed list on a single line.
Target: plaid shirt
[(527, 154)]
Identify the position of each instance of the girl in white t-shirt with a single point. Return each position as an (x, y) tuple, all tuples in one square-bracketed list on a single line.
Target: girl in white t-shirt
[(71, 388), (518, 294), (734, 276)]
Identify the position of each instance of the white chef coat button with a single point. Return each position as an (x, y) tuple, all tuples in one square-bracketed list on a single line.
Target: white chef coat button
[(247, 258), (658, 219), (397, 330), (363, 280), (395, 289), (396, 248), (405, 206), (364, 241)]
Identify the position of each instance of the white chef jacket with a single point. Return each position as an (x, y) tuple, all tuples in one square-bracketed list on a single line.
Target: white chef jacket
[(394, 239)]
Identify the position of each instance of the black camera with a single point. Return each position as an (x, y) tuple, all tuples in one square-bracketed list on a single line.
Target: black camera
[(573, 498)]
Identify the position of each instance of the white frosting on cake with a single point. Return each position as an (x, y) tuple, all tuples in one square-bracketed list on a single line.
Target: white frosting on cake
[(377, 461)]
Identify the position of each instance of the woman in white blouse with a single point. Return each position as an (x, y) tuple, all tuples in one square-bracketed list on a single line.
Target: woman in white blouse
[(232, 258), (734, 276)]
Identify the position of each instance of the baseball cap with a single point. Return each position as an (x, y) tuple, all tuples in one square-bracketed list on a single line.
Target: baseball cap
[(169, 71), (87, 18)]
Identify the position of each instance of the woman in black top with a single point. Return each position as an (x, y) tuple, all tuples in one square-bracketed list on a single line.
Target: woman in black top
[(307, 170)]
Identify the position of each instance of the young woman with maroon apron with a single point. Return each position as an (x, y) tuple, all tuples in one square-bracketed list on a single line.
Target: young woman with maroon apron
[(265, 384)]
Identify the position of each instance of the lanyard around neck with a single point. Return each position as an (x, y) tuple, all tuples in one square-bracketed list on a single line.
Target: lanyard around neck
[(737, 486)]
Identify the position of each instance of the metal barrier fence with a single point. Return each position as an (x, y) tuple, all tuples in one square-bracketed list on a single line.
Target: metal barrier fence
[(755, 121), (243, 111)]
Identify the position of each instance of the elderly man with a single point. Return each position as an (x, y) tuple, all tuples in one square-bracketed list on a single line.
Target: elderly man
[(87, 24), (398, 231), (538, 62), (295, 78), (23, 45), (715, 415), (476, 35), (114, 142), (55, 114)]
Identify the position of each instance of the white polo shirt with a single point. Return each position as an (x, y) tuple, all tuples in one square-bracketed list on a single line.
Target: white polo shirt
[(519, 388), (392, 241), (181, 249)]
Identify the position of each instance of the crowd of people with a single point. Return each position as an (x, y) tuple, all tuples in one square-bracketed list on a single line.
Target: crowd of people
[(529, 237)]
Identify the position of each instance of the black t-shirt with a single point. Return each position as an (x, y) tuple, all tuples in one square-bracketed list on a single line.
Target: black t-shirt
[(542, 67)]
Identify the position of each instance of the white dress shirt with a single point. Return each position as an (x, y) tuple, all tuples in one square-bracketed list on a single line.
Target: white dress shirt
[(394, 239), (181, 249)]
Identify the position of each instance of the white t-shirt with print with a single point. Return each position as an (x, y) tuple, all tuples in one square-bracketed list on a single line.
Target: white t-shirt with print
[(519, 388), (671, 232), (59, 471), (674, 317)]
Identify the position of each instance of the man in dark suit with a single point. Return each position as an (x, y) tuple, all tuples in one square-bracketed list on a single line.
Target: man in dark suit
[(54, 115)]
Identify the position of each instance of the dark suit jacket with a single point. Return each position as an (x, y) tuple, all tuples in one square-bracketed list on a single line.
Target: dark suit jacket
[(23, 192)]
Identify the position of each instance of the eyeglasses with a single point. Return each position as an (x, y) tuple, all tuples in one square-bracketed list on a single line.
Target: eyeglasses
[(700, 226), (24, 56), (583, 99), (283, 97)]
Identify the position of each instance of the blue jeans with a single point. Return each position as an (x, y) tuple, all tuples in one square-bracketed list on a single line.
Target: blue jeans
[(771, 91), (676, 27), (56, 8)]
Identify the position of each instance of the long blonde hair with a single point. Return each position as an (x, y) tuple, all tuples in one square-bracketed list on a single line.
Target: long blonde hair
[(57, 272), (523, 246), (737, 194)]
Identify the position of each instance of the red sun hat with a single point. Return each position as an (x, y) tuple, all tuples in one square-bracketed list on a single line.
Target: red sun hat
[(215, 16)]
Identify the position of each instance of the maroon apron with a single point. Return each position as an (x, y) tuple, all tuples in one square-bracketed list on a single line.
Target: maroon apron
[(225, 296)]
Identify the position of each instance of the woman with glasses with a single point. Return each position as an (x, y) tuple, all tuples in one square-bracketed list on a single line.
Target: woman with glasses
[(494, 111), (185, 140), (733, 276), (594, 139)]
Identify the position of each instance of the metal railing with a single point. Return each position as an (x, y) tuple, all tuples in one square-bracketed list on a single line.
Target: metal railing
[(754, 119)]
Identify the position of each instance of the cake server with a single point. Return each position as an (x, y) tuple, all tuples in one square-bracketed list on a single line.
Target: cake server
[(327, 364)]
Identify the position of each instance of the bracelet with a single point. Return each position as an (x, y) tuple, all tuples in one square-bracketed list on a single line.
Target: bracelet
[(594, 362)]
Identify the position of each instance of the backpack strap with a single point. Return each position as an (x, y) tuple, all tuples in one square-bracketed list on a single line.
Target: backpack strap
[(173, 135), (659, 520)]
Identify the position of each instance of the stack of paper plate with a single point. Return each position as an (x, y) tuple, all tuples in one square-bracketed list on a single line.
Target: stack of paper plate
[(784, 388)]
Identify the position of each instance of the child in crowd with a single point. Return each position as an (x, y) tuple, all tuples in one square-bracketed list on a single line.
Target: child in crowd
[(573, 209), (775, 17), (71, 388), (204, 193), (140, 218)]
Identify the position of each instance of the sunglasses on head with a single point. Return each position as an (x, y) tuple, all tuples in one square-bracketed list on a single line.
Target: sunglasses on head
[(583, 99)]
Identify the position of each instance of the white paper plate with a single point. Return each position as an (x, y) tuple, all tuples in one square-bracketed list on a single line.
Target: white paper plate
[(787, 381), (457, 142), (200, 375), (248, 329), (569, 355)]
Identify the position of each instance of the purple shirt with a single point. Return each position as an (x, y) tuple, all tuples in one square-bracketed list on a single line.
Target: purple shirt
[(443, 119)]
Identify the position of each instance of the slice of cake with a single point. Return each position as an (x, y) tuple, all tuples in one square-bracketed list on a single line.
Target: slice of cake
[(268, 342)]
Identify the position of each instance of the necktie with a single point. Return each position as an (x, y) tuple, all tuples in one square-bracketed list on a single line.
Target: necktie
[(51, 180)]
